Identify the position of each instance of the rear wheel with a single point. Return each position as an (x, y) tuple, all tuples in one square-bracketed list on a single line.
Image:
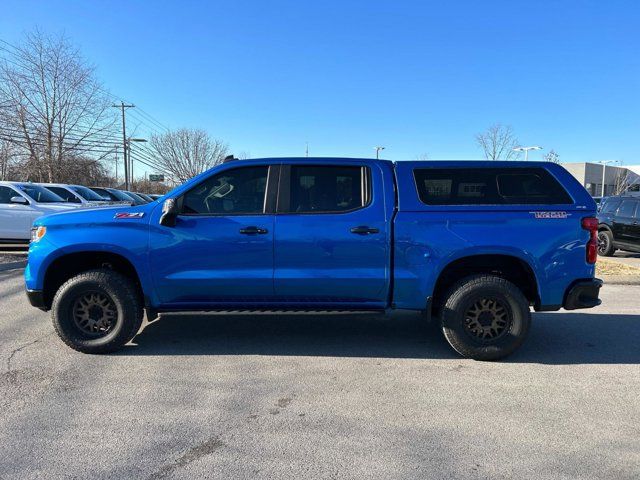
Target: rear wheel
[(605, 243), (485, 317), (97, 311)]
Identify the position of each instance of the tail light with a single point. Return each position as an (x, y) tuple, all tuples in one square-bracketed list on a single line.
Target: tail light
[(591, 224)]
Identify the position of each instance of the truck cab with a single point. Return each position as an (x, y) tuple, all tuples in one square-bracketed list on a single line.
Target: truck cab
[(474, 244)]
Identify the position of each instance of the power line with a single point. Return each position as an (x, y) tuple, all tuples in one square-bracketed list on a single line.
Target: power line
[(90, 138), (70, 148)]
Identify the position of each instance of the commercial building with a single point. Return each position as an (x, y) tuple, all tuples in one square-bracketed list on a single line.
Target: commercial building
[(616, 179)]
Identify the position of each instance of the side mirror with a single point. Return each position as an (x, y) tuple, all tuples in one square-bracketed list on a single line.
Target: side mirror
[(20, 200), (169, 212)]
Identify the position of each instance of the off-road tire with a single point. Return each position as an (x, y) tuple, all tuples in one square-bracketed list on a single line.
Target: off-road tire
[(464, 296), (123, 294), (607, 249)]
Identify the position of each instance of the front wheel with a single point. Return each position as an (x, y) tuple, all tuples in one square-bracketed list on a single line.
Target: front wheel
[(485, 317), (97, 311)]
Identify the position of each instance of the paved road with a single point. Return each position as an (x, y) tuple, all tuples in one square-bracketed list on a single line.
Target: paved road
[(320, 397)]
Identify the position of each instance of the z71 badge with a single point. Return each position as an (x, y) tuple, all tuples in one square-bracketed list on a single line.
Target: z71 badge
[(129, 215), (551, 214)]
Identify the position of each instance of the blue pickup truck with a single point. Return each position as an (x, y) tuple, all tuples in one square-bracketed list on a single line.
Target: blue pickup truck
[(474, 245)]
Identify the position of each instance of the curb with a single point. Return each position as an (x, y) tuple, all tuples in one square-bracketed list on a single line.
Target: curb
[(620, 279), (12, 265)]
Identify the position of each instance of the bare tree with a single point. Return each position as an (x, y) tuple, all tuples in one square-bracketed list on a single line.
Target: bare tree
[(422, 157), (621, 182), (52, 105), (498, 142), (185, 153), (552, 157), (7, 158)]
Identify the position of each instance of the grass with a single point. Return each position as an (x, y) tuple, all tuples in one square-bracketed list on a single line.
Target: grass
[(611, 267)]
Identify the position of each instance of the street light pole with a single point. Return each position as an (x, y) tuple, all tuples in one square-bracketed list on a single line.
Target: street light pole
[(604, 170), (526, 151), (377, 149)]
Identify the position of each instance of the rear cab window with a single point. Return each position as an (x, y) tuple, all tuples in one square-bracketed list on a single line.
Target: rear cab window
[(489, 186)]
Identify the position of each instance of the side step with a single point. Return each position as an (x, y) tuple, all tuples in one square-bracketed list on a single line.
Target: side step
[(273, 311)]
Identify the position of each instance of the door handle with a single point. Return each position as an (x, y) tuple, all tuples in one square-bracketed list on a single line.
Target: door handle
[(364, 230), (253, 231)]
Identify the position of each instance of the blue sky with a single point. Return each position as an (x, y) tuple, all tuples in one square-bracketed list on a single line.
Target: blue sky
[(416, 77)]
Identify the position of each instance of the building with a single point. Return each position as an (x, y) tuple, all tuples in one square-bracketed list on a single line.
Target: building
[(616, 179)]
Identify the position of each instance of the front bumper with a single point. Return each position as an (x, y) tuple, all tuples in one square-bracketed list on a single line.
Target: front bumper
[(583, 294), (36, 299)]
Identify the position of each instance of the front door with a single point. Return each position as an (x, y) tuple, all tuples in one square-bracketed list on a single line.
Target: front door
[(332, 239), (221, 249), (15, 218)]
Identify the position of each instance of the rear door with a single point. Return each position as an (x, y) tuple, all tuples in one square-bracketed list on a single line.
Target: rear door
[(623, 221), (331, 236), (634, 228)]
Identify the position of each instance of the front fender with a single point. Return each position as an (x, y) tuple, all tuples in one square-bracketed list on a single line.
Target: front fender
[(43, 253)]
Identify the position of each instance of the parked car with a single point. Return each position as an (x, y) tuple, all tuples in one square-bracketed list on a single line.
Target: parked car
[(475, 244), (21, 204), (77, 194), (145, 197), (114, 195), (155, 196), (619, 225), (137, 199)]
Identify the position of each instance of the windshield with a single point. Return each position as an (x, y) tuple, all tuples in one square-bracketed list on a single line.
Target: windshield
[(64, 194), (87, 194), (40, 194), (120, 195), (136, 198)]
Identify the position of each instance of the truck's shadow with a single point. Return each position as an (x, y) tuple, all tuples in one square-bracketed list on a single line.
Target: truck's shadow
[(555, 338)]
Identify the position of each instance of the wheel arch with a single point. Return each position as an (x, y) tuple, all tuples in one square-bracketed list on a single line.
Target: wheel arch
[(70, 264), (510, 267)]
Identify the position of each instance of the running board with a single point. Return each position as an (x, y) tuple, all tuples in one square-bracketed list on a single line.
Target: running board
[(272, 311)]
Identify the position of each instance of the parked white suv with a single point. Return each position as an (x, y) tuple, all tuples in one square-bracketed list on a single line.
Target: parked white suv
[(21, 203)]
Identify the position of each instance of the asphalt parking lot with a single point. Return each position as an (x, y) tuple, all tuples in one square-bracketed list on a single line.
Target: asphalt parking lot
[(320, 397)]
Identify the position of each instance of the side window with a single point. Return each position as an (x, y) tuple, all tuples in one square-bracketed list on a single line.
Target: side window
[(319, 189), (627, 208), (5, 194), (610, 206), (238, 191), (489, 186)]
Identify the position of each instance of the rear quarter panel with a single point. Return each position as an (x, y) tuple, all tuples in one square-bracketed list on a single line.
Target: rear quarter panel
[(428, 238)]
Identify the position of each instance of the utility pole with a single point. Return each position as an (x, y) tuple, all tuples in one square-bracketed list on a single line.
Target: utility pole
[(116, 147), (122, 106), (306, 152)]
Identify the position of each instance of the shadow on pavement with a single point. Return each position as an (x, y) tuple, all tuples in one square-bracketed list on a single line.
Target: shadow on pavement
[(555, 338)]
